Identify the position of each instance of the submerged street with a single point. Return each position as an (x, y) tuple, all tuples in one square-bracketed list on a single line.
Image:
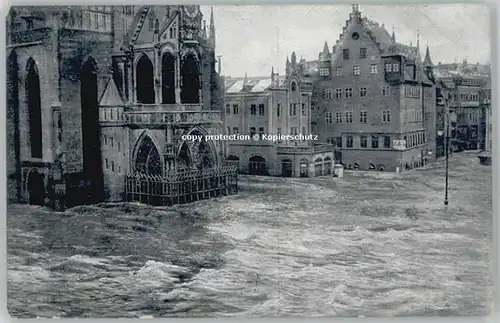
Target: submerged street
[(367, 244)]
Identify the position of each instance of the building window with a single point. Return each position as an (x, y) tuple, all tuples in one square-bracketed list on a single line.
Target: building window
[(228, 109), (356, 70), (261, 132), (294, 87), (345, 54), (252, 131), (106, 162), (373, 69), (118, 146), (395, 67), (364, 142), (304, 130), (339, 71), (112, 141), (328, 117), (304, 111), (235, 109), (112, 166), (387, 142), (388, 67), (348, 117), (339, 142), (253, 109), (349, 141), (324, 71), (151, 24), (386, 116), (293, 131), (362, 92), (385, 90), (348, 92), (338, 117), (278, 109), (374, 142), (362, 53), (279, 131), (328, 94), (261, 109), (235, 130), (293, 109), (363, 116), (338, 93)]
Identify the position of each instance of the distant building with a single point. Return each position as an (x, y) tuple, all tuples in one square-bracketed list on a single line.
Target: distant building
[(446, 119), (274, 105), (486, 129), (465, 82), (374, 99)]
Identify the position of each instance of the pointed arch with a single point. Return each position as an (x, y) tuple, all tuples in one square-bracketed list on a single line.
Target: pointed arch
[(147, 156), (36, 188), (33, 98), (168, 78), (144, 71), (91, 141), (190, 73), (206, 154), (184, 157)]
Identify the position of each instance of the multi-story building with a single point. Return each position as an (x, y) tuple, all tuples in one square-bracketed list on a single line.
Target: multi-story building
[(486, 129), (274, 105), (101, 93), (465, 82), (446, 119), (375, 99)]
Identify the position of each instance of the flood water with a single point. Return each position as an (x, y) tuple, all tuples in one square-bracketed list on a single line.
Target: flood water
[(372, 244)]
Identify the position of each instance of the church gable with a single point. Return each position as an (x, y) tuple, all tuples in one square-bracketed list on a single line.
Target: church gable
[(170, 31), (111, 96)]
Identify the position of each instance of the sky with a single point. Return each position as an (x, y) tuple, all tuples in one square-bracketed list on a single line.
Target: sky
[(247, 36)]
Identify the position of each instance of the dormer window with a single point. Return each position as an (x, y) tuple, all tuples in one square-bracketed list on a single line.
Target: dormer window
[(395, 67), (388, 67)]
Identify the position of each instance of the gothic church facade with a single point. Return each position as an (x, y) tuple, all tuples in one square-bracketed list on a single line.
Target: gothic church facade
[(99, 92)]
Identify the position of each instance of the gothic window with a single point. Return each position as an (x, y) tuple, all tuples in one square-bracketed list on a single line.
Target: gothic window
[(34, 109), (151, 24), (190, 89), (168, 79), (294, 86), (145, 81), (147, 159)]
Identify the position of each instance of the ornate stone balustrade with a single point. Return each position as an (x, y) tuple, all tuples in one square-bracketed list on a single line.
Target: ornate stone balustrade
[(165, 118)]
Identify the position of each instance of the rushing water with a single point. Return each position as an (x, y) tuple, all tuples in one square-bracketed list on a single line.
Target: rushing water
[(369, 244)]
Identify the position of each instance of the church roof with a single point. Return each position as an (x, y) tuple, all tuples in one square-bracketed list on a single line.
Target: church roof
[(111, 96), (252, 84)]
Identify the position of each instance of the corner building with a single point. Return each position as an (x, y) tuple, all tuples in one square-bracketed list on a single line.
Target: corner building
[(101, 93), (275, 105), (374, 99)]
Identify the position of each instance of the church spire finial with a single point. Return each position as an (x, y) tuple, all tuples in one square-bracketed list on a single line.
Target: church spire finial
[(355, 8), (418, 38), (393, 36), (212, 27)]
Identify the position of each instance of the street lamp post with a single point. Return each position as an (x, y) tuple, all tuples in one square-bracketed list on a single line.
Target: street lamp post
[(447, 148)]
